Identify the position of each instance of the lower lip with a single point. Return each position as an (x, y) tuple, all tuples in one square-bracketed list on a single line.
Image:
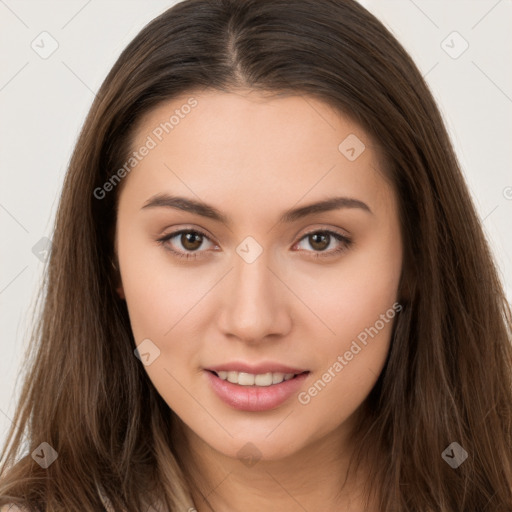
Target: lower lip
[(255, 398)]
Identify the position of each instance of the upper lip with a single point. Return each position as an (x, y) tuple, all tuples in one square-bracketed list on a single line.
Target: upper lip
[(255, 369)]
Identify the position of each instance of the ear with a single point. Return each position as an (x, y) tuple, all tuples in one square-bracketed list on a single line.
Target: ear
[(408, 285), (120, 292), (406, 292), (117, 274), (117, 280), (119, 283)]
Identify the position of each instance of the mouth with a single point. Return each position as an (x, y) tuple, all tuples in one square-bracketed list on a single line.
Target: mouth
[(255, 392)]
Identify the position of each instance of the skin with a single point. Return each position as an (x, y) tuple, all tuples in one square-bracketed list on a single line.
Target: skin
[(252, 157)]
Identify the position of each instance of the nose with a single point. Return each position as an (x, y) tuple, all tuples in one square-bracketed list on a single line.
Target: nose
[(255, 305)]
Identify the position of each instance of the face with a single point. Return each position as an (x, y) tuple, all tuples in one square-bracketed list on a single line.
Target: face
[(242, 279)]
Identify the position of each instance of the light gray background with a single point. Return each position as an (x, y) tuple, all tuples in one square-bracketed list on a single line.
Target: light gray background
[(43, 103)]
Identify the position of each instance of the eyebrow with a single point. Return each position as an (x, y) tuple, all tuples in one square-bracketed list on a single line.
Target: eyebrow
[(209, 211)]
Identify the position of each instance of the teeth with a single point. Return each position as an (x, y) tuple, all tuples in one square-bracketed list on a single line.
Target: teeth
[(233, 377), (246, 379), (249, 379), (277, 378), (264, 379)]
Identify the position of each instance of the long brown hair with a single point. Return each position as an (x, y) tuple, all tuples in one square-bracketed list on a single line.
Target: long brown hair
[(448, 373)]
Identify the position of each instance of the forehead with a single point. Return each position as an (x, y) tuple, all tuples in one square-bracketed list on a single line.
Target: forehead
[(255, 148)]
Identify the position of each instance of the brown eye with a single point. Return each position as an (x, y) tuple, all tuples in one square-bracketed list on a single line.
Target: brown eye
[(191, 240), (320, 240)]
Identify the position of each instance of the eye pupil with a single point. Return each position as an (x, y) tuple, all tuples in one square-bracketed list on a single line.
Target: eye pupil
[(187, 239), (322, 243)]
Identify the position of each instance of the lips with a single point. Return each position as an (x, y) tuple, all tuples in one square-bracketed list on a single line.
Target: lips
[(251, 395)]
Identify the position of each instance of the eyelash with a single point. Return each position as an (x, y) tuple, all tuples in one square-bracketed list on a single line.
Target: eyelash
[(345, 243)]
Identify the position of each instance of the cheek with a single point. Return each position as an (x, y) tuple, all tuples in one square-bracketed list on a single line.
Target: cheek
[(159, 293), (164, 301), (353, 294), (359, 305), (161, 299), (349, 371)]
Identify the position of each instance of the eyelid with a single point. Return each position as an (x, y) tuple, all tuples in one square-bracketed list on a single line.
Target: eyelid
[(337, 231)]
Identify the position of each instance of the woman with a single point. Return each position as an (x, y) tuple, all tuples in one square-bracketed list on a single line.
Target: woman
[(268, 286)]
